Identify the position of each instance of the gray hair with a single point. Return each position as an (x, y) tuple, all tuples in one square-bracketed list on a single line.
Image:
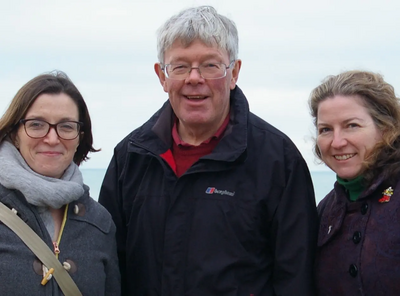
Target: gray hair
[(203, 23)]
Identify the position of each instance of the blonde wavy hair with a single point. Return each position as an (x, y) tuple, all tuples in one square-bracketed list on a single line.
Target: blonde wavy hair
[(383, 106)]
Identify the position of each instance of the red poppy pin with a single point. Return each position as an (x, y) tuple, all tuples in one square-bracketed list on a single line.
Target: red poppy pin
[(387, 193)]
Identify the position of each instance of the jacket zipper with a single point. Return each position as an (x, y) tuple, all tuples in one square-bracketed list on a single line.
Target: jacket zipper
[(57, 243), (48, 273)]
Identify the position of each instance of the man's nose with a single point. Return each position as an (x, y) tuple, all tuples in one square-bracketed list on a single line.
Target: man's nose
[(194, 76)]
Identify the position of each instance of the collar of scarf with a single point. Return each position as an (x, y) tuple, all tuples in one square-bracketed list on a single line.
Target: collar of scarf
[(354, 186), (39, 190)]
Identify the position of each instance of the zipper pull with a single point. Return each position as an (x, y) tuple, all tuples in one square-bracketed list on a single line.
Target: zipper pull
[(56, 248)]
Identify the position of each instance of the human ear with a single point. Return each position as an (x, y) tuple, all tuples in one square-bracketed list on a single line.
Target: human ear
[(161, 76), (235, 73), (15, 140)]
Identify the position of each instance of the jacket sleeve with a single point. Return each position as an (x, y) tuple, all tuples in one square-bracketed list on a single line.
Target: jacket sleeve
[(110, 198), (294, 233)]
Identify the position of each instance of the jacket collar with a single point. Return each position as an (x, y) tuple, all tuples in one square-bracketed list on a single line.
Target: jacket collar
[(155, 135), (336, 205)]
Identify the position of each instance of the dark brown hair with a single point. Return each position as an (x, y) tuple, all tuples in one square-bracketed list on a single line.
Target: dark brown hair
[(55, 82)]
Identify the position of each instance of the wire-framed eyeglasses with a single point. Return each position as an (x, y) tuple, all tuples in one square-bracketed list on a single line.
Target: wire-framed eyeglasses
[(206, 70), (37, 128)]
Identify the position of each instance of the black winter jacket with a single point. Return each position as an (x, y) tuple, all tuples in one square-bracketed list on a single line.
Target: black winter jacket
[(241, 221)]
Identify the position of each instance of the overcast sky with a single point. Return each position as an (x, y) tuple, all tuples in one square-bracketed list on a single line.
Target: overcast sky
[(108, 49)]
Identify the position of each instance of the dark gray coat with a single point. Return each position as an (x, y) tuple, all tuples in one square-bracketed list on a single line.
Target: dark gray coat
[(87, 243)]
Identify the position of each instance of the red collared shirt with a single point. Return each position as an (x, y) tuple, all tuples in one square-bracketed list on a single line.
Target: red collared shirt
[(185, 155), (178, 141)]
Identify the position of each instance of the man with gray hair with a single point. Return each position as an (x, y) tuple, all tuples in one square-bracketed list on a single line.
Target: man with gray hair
[(209, 199)]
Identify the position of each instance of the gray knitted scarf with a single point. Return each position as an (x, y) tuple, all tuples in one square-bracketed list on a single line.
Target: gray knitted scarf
[(40, 191)]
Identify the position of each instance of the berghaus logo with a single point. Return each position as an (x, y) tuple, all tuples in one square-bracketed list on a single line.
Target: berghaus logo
[(213, 190)]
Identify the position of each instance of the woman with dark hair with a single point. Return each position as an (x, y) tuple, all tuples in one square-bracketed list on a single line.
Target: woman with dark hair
[(44, 135), (357, 118)]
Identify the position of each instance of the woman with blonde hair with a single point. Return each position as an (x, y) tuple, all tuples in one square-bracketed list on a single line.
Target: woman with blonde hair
[(357, 119)]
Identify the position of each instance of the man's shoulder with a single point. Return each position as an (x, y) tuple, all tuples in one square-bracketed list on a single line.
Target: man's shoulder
[(124, 142), (261, 126), (143, 132), (270, 139)]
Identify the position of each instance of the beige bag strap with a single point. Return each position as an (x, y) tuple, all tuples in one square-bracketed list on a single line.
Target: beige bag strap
[(41, 250)]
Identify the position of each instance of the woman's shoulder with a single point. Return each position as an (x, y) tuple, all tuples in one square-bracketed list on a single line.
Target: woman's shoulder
[(328, 199), (4, 191), (86, 209), (13, 198)]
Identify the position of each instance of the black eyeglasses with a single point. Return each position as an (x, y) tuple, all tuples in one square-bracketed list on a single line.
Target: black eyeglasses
[(37, 128)]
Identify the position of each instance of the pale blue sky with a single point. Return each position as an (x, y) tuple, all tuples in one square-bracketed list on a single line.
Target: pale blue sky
[(108, 48)]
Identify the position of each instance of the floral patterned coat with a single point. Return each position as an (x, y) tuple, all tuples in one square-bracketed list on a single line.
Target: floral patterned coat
[(359, 242)]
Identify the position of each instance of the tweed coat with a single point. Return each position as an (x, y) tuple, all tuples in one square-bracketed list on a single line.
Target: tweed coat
[(359, 242)]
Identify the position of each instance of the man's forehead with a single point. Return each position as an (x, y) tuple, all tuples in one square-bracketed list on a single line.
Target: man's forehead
[(195, 47)]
